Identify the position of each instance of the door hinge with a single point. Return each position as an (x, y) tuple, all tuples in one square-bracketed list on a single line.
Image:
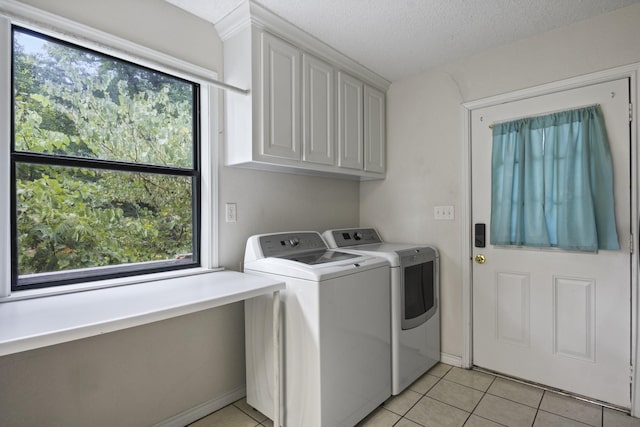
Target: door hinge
[(630, 112)]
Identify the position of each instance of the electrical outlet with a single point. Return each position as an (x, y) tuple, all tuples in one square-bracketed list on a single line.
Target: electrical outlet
[(231, 212), (444, 212)]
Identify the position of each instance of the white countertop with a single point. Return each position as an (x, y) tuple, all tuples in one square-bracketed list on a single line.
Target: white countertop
[(39, 322)]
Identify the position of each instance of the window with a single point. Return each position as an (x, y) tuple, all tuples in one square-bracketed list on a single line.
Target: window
[(105, 166)]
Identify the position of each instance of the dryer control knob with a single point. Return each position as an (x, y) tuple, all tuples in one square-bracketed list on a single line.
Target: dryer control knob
[(294, 242)]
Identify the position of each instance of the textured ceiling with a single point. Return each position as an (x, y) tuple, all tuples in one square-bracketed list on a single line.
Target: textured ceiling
[(400, 38)]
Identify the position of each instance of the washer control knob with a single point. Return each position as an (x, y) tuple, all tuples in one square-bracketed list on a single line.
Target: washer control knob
[(357, 235), (294, 242)]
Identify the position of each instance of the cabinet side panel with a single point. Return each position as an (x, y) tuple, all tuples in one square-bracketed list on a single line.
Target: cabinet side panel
[(238, 108), (374, 130)]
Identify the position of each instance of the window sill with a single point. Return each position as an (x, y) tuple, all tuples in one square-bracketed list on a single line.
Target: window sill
[(39, 322), (101, 284)]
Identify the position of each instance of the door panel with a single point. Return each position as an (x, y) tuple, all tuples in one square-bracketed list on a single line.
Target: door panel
[(280, 98), (574, 317), (555, 317), (318, 127), (350, 122)]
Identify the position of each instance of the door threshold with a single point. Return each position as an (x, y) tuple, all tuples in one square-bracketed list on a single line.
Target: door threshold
[(553, 389)]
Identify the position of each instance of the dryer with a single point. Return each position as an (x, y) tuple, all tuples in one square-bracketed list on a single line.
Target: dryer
[(336, 336), (415, 299)]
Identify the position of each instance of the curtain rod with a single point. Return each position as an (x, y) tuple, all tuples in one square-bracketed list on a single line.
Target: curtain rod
[(541, 115), (210, 80), (228, 87)]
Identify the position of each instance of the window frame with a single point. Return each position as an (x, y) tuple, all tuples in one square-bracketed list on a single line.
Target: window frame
[(205, 221)]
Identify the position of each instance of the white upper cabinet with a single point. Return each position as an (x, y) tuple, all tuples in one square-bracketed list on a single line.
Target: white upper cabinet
[(280, 98), (318, 120), (374, 130), (309, 109), (350, 122)]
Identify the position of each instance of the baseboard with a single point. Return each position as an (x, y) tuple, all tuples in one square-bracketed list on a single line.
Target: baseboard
[(190, 415), (450, 359)]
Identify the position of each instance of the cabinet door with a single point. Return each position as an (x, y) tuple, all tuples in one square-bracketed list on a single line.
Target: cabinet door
[(350, 122), (374, 130), (280, 98), (318, 105)]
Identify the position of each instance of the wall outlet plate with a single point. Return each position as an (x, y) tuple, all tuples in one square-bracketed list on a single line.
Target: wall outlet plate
[(444, 212), (230, 212)]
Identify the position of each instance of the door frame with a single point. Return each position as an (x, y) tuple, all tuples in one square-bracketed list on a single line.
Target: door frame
[(629, 71)]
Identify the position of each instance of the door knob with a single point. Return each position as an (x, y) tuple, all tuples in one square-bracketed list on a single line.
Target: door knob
[(480, 259)]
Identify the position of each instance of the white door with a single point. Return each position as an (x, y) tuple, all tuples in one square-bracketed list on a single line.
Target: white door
[(280, 98), (350, 122), (556, 317)]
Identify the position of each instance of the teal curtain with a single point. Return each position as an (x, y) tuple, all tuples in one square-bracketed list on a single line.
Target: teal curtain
[(552, 182)]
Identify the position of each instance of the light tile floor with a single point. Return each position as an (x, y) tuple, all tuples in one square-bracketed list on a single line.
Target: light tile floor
[(451, 397)]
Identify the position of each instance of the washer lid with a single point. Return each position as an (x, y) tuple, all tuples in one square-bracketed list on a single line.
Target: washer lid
[(319, 257), (316, 272)]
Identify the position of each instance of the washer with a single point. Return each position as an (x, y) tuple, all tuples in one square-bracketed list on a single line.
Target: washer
[(336, 335), (415, 299)]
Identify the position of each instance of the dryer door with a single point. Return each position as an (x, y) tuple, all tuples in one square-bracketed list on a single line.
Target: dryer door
[(419, 287)]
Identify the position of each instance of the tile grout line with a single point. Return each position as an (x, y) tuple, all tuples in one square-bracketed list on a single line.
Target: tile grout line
[(564, 417), (553, 390), (538, 408), (488, 419), (484, 393), (539, 404), (249, 415), (423, 396), (569, 418), (516, 401)]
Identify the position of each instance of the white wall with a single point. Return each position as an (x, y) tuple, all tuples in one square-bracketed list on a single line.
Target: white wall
[(270, 202), (144, 375), (425, 125)]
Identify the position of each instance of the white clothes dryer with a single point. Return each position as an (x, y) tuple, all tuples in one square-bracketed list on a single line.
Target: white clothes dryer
[(415, 295), (336, 336)]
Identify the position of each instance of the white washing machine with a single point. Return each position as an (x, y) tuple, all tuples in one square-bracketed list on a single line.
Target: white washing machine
[(336, 336), (415, 294)]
